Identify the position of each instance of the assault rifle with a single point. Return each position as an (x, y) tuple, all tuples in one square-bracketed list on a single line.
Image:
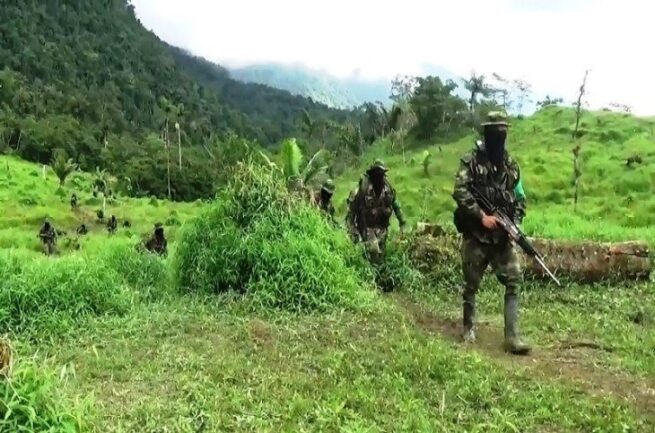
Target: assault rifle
[(512, 230)]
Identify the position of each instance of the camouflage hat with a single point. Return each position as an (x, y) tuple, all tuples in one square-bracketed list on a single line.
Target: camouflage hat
[(328, 186), (378, 164), (496, 118)]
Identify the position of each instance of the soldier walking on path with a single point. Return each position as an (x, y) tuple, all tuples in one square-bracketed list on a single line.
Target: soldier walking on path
[(48, 237), (490, 170), (371, 211)]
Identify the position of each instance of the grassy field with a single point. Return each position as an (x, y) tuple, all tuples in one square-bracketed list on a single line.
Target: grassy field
[(616, 202), (105, 342)]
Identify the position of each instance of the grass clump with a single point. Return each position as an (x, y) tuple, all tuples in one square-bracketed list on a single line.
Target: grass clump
[(259, 239), (31, 401), (38, 293)]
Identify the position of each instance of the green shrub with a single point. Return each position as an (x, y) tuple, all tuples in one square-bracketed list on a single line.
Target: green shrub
[(146, 273), (41, 293), (259, 240), (32, 402)]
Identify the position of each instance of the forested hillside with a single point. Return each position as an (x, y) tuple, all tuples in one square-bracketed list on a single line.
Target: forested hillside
[(86, 77)]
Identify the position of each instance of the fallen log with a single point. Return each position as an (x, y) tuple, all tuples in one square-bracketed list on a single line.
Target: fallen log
[(588, 262), (582, 262)]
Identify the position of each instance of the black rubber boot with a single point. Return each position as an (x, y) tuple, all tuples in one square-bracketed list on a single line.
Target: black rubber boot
[(468, 315), (513, 343)]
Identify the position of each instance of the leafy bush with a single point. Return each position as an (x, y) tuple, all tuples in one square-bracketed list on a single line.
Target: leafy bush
[(32, 402), (259, 240)]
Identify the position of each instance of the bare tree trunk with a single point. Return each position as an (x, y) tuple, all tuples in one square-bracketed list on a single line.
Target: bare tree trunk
[(179, 144), (20, 135), (577, 173), (168, 160), (578, 104)]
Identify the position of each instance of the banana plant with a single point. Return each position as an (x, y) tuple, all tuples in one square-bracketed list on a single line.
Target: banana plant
[(298, 174)]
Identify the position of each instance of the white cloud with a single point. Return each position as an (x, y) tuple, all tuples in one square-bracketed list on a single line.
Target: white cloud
[(547, 43)]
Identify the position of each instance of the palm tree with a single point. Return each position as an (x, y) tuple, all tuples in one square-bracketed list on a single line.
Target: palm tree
[(62, 165)]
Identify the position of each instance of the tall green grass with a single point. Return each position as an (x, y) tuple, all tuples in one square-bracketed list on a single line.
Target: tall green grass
[(258, 239), (47, 294), (31, 401)]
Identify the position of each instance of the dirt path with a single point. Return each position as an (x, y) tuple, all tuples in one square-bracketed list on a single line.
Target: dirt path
[(566, 364)]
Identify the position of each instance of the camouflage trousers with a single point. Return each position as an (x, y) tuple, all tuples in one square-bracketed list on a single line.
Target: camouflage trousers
[(476, 258), (376, 239)]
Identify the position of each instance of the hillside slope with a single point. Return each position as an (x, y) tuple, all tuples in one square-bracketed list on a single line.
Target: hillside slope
[(616, 201), (94, 65)]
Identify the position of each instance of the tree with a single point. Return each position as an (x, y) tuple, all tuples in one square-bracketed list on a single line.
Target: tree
[(476, 86), (402, 88), (548, 101), (62, 165), (621, 107), (523, 88), (501, 89), (577, 172), (436, 107), (579, 103)]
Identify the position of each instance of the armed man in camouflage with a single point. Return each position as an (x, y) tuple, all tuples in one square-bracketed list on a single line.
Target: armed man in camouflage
[(323, 199), (372, 207), (112, 225), (491, 170), (157, 242), (48, 237)]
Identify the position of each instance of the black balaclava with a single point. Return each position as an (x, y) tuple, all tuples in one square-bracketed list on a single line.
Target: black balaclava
[(377, 179), (325, 196), (494, 143)]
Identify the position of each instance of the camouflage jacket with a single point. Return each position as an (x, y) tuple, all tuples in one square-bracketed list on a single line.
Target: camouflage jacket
[(48, 234), (374, 211), (502, 186)]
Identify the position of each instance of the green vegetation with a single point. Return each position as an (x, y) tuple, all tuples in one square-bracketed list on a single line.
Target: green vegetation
[(616, 201), (252, 240), (264, 317), (32, 401), (297, 340), (108, 92)]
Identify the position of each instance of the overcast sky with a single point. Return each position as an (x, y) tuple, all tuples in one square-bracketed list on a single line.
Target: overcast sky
[(549, 43)]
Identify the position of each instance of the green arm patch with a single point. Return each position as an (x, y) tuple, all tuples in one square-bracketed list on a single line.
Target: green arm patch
[(518, 190)]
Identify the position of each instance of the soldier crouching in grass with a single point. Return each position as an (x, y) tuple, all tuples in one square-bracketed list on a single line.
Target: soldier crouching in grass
[(490, 169)]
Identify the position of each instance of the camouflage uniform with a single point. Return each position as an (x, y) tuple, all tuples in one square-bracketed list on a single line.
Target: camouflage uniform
[(351, 217), (371, 213), (112, 225), (324, 204), (74, 201), (157, 242), (48, 237), (482, 247)]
